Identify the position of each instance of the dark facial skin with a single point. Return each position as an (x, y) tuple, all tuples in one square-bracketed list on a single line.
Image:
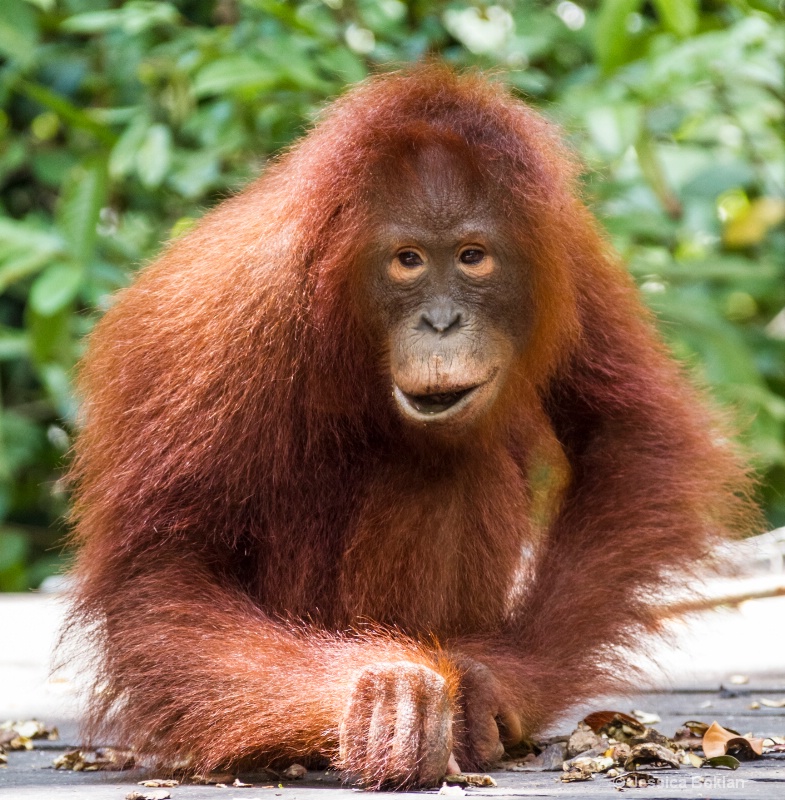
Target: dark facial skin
[(449, 290)]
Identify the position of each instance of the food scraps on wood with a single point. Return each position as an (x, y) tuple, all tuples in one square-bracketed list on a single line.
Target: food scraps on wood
[(469, 779), (550, 759), (155, 794), (646, 717), (578, 772), (596, 762), (724, 762), (618, 744), (294, 772), (20, 734), (159, 783), (211, 779), (719, 741), (235, 784), (103, 759), (454, 791), (583, 738)]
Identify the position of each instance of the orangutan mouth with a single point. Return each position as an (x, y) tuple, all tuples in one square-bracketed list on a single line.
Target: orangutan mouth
[(437, 403)]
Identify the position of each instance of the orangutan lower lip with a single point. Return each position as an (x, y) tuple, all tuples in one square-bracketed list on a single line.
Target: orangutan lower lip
[(447, 407), (438, 402)]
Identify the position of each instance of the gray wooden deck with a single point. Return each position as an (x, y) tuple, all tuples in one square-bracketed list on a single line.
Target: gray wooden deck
[(685, 685)]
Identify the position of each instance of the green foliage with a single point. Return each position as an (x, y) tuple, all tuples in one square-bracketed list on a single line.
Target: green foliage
[(122, 121)]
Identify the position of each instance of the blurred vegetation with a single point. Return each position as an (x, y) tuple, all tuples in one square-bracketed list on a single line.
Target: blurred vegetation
[(122, 121)]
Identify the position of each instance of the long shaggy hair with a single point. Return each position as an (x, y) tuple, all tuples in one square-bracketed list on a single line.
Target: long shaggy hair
[(256, 524)]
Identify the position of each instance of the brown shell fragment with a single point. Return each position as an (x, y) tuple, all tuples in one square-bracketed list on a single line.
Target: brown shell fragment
[(718, 741), (651, 754)]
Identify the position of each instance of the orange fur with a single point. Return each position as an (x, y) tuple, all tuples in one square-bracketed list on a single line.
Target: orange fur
[(255, 525)]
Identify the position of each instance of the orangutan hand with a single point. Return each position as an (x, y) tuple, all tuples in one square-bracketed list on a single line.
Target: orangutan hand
[(485, 720), (397, 727)]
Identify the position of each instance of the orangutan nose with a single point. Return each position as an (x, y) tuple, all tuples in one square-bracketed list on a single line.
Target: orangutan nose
[(442, 317)]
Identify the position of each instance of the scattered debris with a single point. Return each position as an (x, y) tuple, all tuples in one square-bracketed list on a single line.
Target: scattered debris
[(719, 741), (550, 759), (155, 794), (728, 762), (583, 738), (594, 761), (646, 718), (469, 779), (773, 744), (211, 779), (105, 759), (690, 735), (235, 784), (20, 734), (606, 742), (159, 783), (619, 752), (294, 772), (618, 744), (578, 772), (739, 680), (603, 721), (624, 728), (652, 754)]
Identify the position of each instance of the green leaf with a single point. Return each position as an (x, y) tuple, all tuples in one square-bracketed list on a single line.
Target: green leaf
[(614, 127), (122, 160), (24, 250), (55, 288), (13, 548), (17, 233), (154, 156), (143, 14), (50, 336), (92, 21), (612, 42), (133, 17), (13, 344), (18, 31), (343, 63), (81, 202), (728, 762), (679, 16), (233, 74), (195, 173), (67, 110), (18, 265), (56, 379), (20, 442)]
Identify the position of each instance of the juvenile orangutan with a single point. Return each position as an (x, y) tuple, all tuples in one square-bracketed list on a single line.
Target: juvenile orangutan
[(303, 492)]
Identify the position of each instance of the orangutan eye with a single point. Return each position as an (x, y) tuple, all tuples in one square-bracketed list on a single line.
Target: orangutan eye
[(472, 255), (409, 258)]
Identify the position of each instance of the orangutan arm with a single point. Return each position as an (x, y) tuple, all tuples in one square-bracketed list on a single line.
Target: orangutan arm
[(199, 676)]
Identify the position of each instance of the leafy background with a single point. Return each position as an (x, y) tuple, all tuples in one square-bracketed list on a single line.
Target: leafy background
[(122, 121)]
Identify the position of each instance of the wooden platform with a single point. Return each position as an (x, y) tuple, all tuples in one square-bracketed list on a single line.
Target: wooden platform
[(685, 685)]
